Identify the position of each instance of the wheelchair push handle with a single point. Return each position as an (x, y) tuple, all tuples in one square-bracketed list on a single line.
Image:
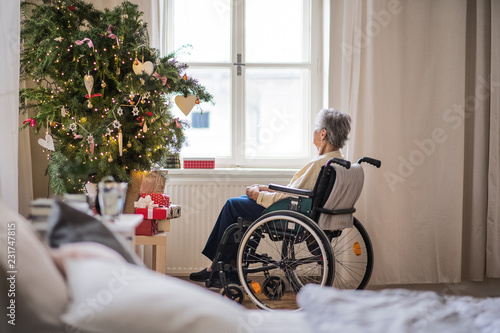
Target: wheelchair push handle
[(371, 161), (344, 163)]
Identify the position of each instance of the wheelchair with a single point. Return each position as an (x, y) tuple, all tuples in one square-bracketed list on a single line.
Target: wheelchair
[(272, 258)]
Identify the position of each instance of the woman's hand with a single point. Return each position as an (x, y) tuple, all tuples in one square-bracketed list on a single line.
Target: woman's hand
[(253, 192)]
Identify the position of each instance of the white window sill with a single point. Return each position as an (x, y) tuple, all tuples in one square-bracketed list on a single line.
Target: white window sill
[(232, 173)]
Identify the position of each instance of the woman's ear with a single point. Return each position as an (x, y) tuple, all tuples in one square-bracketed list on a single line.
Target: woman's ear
[(323, 134)]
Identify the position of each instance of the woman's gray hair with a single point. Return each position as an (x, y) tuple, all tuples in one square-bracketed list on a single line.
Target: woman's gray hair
[(337, 125)]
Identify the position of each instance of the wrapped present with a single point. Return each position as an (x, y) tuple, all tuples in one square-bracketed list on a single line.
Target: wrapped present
[(156, 213), (161, 199), (174, 211), (199, 163), (147, 228)]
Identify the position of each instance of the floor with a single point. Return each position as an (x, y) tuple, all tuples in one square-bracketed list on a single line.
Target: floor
[(487, 288)]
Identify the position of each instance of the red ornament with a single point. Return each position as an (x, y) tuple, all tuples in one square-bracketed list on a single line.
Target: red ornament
[(71, 8), (197, 101)]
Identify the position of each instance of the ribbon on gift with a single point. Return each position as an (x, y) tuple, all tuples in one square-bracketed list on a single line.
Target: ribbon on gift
[(146, 202), (162, 78), (89, 42), (113, 36)]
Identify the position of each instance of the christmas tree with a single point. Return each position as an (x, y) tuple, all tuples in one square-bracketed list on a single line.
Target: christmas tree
[(102, 94)]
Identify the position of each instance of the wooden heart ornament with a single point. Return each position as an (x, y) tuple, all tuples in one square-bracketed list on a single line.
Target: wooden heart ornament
[(48, 143), (185, 104), (143, 67)]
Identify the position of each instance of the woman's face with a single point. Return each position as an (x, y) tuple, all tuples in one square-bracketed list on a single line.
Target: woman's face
[(317, 136)]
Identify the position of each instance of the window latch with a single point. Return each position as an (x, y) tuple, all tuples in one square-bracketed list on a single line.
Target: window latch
[(238, 63)]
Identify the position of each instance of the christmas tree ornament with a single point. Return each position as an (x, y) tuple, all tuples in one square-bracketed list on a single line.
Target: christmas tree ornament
[(116, 124), (119, 111), (185, 77), (120, 143), (145, 127), (31, 121), (110, 159), (197, 101), (135, 111), (63, 111), (89, 42), (129, 144), (47, 143), (58, 39), (143, 68), (89, 83), (90, 140), (185, 104), (143, 101), (109, 131), (72, 127), (103, 84), (162, 78), (89, 105)]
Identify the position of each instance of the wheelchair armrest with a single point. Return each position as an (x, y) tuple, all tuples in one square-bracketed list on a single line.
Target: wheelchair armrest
[(291, 190)]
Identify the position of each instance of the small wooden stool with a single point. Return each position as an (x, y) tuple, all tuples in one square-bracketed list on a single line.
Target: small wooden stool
[(159, 244)]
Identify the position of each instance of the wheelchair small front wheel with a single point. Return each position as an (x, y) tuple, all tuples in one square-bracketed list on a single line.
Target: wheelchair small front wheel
[(233, 292), (274, 253)]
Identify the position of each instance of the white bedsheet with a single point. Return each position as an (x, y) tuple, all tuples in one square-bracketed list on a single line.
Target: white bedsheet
[(396, 310)]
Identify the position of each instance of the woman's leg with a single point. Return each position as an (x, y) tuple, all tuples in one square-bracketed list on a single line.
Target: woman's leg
[(242, 207)]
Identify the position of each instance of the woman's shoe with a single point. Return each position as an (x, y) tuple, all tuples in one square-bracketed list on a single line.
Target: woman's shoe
[(200, 276)]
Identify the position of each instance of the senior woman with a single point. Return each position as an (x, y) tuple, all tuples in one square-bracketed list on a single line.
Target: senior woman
[(330, 134)]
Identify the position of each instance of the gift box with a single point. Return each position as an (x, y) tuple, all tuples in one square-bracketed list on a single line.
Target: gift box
[(153, 213), (147, 228), (174, 211), (161, 199), (199, 163)]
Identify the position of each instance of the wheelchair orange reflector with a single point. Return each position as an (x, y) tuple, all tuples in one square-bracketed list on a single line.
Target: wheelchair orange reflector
[(357, 249), (256, 287)]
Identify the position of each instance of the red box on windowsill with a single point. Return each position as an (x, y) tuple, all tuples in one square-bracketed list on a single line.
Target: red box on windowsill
[(199, 163), (161, 199), (147, 228), (150, 213)]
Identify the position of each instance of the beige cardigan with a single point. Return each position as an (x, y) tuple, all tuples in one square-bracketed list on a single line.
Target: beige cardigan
[(304, 179)]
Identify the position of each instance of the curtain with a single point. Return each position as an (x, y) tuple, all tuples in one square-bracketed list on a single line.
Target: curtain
[(481, 237), (398, 68), (421, 81), (9, 99)]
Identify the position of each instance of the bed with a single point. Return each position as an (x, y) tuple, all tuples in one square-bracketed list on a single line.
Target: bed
[(89, 287)]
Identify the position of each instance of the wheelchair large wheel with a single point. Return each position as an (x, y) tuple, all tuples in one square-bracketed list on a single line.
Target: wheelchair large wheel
[(353, 254), (274, 256)]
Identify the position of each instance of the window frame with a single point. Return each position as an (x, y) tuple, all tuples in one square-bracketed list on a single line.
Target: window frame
[(314, 19)]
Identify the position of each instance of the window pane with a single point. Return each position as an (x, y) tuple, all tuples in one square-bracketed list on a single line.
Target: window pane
[(214, 140), (276, 124), (206, 25), (274, 31)]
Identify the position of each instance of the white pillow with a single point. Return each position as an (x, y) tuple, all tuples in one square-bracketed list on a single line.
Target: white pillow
[(40, 292), (112, 297)]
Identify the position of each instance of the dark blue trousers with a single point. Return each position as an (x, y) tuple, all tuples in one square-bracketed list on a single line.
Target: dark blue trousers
[(242, 207)]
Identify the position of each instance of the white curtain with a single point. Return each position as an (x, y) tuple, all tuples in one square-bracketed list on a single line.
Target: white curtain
[(482, 148), (9, 100), (403, 70)]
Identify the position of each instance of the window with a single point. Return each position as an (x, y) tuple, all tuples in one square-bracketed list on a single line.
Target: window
[(259, 60)]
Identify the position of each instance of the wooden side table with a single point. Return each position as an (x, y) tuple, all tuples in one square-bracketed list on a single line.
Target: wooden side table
[(159, 244)]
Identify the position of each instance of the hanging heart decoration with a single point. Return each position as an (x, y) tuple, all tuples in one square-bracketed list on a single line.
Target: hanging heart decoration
[(185, 104), (146, 67), (89, 83), (48, 143)]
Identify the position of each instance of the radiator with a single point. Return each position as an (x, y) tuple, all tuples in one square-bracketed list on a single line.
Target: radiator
[(201, 194)]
